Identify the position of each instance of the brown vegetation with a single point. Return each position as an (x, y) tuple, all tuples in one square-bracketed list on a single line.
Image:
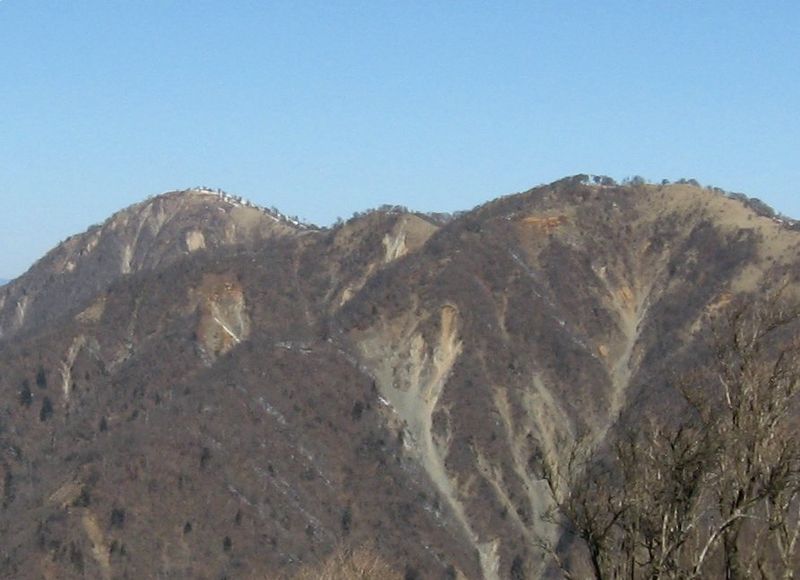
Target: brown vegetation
[(243, 406), (715, 492), (345, 564), (547, 224)]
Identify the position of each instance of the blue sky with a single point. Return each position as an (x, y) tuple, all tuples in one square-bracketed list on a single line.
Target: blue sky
[(324, 108)]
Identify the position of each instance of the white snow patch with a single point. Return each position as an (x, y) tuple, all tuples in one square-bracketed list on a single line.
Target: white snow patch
[(227, 330)]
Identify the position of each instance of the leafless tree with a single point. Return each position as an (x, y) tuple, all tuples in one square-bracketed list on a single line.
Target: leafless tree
[(716, 493), (588, 506)]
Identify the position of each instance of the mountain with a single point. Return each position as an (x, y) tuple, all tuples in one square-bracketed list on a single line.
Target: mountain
[(145, 236), (4, 281), (202, 388)]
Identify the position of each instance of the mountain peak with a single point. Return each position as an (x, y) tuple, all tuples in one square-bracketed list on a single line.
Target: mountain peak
[(195, 346), (147, 235), (208, 194)]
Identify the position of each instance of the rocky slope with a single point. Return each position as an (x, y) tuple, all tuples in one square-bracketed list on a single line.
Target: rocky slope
[(201, 389)]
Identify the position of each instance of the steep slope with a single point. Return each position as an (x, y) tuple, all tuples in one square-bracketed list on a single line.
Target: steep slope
[(146, 236), (195, 463), (199, 406), (546, 316), (245, 408)]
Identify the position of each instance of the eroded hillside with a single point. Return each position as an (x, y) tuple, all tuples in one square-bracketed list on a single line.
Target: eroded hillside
[(147, 236), (199, 388)]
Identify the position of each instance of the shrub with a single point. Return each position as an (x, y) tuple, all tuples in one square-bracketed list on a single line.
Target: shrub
[(25, 395), (345, 564), (205, 457), (41, 378), (347, 521), (117, 517), (46, 411)]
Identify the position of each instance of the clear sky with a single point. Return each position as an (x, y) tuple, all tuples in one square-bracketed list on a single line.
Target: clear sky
[(324, 108)]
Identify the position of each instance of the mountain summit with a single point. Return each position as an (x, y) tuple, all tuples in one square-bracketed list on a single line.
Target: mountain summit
[(146, 236), (203, 388)]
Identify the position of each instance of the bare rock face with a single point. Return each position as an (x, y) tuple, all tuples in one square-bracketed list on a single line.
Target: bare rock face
[(199, 388), (223, 320)]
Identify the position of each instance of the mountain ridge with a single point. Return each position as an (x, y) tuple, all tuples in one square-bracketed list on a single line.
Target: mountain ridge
[(157, 230), (390, 380)]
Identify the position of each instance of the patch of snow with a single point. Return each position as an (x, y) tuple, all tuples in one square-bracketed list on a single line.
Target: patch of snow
[(228, 330), (238, 201), (272, 411), (301, 347)]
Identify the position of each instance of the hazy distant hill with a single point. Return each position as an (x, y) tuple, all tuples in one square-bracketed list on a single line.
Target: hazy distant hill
[(202, 388)]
